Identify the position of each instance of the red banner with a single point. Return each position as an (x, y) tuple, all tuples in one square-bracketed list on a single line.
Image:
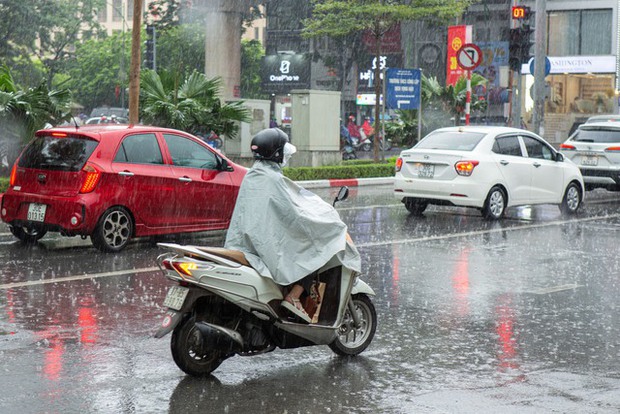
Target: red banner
[(457, 37)]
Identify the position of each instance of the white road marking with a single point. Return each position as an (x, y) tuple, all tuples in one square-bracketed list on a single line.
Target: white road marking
[(77, 277), (363, 245), (554, 289)]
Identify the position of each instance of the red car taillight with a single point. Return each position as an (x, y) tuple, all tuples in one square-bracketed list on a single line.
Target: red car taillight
[(612, 149), (399, 164), (567, 147), (13, 175), (465, 168), (92, 176)]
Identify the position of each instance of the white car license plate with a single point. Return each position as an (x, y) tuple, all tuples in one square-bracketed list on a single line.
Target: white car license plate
[(425, 170), (36, 212), (589, 160), (175, 297)]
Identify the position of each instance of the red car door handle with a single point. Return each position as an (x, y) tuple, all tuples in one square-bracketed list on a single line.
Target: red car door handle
[(126, 173), (185, 179)]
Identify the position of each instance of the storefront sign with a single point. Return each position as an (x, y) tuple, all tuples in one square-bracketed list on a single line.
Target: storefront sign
[(368, 99), (366, 76), (281, 73), (457, 37), (578, 64)]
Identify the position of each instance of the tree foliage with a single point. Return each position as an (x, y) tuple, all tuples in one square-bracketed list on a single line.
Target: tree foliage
[(189, 104), (251, 53), (46, 30), (24, 111), (98, 68), (453, 98), (181, 49), (339, 18)]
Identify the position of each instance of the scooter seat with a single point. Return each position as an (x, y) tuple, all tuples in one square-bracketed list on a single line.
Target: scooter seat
[(234, 255)]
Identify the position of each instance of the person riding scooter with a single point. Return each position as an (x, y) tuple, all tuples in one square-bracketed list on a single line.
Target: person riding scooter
[(286, 232)]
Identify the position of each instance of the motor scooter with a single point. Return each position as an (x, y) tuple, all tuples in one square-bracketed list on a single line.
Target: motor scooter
[(364, 143), (219, 306), (348, 151)]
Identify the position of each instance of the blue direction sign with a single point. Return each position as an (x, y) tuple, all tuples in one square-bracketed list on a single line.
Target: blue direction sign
[(402, 88), (547, 66)]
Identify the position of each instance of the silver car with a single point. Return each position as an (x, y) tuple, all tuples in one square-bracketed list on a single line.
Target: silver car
[(595, 148)]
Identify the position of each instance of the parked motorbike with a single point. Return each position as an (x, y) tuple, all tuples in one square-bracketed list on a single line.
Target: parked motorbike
[(219, 306), (365, 144), (348, 151), (384, 145)]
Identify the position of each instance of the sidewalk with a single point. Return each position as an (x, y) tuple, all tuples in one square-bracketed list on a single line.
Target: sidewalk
[(350, 182)]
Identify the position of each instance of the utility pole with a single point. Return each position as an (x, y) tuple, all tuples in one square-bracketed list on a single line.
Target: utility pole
[(134, 73), (540, 58)]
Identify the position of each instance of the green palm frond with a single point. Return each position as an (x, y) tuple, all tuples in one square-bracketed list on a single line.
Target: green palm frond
[(191, 105)]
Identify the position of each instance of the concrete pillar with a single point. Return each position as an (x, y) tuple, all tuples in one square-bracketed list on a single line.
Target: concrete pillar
[(222, 19)]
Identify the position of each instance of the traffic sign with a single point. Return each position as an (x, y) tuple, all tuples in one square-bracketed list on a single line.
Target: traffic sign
[(547, 66), (402, 88), (469, 56)]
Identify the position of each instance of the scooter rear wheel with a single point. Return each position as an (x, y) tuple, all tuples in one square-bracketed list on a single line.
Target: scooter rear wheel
[(351, 340), (188, 353)]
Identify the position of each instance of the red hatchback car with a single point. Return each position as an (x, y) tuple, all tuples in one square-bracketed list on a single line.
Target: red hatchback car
[(116, 182)]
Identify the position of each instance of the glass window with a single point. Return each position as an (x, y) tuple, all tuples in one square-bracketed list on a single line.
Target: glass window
[(579, 32), (537, 149), (451, 140), (117, 10), (507, 145), (595, 30), (51, 153), (602, 134), (139, 149), (187, 153), (102, 13), (563, 30), (129, 10)]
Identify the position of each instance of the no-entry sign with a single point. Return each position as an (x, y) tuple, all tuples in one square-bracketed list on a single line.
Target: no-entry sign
[(469, 56)]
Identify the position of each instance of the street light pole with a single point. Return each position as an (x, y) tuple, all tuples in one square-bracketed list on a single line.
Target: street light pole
[(134, 74), (540, 59)]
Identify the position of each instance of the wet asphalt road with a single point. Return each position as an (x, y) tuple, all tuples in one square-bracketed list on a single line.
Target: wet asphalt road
[(518, 316)]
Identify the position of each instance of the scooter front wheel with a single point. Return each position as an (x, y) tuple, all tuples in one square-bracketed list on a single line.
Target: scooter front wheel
[(189, 352), (353, 340)]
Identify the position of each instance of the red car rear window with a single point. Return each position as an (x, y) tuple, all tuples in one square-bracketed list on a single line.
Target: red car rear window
[(52, 153)]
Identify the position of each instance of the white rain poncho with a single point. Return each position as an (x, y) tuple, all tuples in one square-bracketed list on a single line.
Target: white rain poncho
[(285, 231)]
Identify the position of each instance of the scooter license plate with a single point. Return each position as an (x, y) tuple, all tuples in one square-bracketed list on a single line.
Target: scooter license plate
[(175, 297)]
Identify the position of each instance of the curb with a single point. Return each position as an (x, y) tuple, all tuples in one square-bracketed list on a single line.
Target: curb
[(350, 182)]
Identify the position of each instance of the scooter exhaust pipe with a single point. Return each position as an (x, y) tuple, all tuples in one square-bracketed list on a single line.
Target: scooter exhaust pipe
[(209, 336)]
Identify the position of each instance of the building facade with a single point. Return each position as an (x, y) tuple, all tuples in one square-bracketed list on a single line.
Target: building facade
[(582, 47)]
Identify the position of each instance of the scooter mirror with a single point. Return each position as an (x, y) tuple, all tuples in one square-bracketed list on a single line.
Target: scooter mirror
[(343, 193)]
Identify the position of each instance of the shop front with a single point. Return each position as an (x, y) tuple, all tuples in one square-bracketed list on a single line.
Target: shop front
[(578, 87)]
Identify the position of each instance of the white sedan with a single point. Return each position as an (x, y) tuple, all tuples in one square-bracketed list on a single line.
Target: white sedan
[(489, 168)]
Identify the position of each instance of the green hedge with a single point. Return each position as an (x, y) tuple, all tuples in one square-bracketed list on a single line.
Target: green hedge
[(4, 184), (348, 170)]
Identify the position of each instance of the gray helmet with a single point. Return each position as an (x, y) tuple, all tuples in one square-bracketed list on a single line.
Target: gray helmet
[(268, 144)]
